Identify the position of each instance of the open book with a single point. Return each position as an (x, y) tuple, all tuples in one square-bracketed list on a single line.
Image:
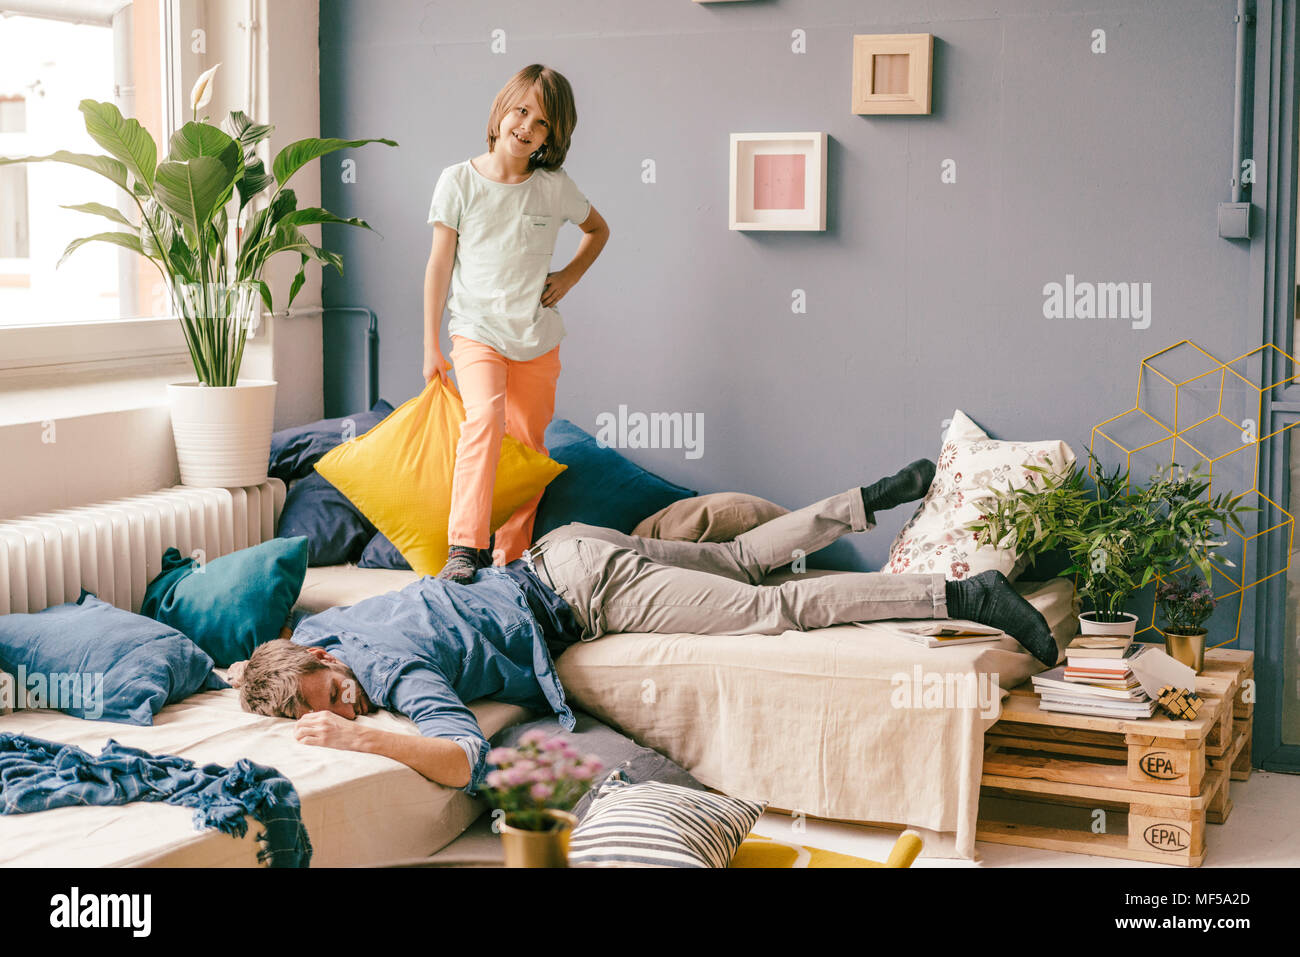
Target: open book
[(941, 634)]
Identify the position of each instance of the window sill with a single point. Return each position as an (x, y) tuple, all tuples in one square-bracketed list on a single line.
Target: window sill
[(39, 396), (67, 346)]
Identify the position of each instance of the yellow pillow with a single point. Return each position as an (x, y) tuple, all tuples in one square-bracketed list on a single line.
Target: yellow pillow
[(399, 475)]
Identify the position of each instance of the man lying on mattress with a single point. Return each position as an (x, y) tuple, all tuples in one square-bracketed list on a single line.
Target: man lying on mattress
[(426, 650)]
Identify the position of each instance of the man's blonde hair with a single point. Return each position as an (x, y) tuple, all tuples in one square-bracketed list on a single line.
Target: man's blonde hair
[(270, 683), (557, 103)]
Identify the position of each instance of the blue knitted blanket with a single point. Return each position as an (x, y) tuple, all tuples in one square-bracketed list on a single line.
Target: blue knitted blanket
[(37, 775)]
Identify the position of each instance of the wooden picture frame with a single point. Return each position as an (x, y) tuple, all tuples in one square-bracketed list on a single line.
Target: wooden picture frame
[(778, 181), (892, 73)]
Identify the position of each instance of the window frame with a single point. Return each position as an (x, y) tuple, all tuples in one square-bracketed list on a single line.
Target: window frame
[(107, 343)]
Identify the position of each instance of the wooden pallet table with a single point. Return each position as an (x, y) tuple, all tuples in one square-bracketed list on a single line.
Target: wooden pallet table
[(1230, 671), (1224, 676), (1159, 828), (1163, 778), (1221, 801)]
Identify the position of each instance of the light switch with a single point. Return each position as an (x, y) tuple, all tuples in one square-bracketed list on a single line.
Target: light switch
[(1234, 220)]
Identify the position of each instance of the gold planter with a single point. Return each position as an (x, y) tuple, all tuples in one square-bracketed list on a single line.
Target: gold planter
[(1189, 648), (525, 848)]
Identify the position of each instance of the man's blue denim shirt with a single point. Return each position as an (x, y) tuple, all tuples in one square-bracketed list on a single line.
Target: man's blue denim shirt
[(426, 650)]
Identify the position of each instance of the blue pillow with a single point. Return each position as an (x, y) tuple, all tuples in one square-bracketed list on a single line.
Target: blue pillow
[(599, 487), (294, 451), (381, 553), (335, 529), (233, 603), (136, 665)]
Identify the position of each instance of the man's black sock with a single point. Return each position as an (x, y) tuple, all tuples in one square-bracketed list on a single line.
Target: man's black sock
[(906, 485), (989, 599)]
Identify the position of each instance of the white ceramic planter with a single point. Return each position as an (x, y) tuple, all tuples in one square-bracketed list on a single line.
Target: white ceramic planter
[(223, 435), (1087, 626)]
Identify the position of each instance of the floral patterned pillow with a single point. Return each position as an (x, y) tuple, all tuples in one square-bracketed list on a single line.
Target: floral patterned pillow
[(970, 463)]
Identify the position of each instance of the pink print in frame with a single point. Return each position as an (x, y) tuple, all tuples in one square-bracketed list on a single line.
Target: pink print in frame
[(779, 180)]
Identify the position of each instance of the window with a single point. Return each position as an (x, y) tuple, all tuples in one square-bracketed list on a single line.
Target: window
[(50, 60), (13, 190)]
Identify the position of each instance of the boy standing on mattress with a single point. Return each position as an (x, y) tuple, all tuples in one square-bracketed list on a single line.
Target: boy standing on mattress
[(495, 218), (426, 650)]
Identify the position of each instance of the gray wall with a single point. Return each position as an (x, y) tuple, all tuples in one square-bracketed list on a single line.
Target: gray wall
[(922, 296)]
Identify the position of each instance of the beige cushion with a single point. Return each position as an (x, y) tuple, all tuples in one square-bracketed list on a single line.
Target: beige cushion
[(328, 586), (359, 809), (716, 517)]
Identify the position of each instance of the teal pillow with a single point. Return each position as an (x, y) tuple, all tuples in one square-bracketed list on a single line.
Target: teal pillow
[(233, 603)]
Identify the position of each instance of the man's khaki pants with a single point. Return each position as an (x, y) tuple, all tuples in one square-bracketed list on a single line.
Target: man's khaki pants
[(622, 583)]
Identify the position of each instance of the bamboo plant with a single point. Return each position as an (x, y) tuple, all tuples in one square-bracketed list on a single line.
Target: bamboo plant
[(1119, 538), (185, 206)]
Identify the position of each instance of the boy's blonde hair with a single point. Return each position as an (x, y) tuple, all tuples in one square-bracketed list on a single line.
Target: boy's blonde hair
[(557, 103), (269, 683)]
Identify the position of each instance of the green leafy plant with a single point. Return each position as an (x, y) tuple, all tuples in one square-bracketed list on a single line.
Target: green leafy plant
[(1119, 537), (1185, 602), (185, 206)]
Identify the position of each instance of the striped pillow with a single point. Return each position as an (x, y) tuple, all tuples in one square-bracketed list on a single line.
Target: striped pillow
[(660, 825)]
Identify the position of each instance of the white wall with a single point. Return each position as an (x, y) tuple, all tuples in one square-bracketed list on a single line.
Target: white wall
[(74, 435), (287, 90)]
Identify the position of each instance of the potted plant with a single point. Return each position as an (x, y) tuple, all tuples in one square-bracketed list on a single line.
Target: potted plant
[(1119, 537), (1185, 602), (535, 785), (209, 216)]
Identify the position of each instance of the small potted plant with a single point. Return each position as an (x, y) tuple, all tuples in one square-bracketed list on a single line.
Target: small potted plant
[(1185, 602), (1119, 537), (535, 785), (209, 215)]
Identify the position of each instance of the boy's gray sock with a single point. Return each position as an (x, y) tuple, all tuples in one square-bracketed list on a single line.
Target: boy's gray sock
[(462, 565)]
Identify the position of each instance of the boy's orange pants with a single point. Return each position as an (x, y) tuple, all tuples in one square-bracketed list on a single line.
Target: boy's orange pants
[(501, 395)]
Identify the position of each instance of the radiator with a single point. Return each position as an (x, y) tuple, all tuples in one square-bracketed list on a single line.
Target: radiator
[(115, 549)]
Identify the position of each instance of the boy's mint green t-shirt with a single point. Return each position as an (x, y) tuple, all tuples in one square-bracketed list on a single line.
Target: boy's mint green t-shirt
[(503, 253)]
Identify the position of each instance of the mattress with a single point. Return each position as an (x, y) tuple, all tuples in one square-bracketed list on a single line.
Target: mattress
[(852, 722), (801, 720), (358, 808), (807, 721)]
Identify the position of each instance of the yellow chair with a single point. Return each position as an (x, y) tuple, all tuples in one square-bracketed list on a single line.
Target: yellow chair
[(760, 851)]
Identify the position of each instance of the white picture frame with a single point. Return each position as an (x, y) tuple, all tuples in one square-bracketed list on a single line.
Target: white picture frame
[(778, 181)]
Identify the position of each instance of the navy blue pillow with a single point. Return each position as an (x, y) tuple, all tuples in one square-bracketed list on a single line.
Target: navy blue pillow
[(381, 553), (335, 529), (599, 487), (294, 451), (135, 665)]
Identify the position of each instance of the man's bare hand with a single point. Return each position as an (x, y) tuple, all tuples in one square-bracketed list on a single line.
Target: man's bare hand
[(325, 729)]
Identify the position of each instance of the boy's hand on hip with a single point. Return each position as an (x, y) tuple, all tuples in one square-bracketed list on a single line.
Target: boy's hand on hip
[(557, 284)]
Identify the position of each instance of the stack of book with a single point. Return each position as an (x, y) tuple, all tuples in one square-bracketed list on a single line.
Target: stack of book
[(1097, 678)]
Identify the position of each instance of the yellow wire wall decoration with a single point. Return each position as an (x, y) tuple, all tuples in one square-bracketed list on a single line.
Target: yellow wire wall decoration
[(1193, 409)]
